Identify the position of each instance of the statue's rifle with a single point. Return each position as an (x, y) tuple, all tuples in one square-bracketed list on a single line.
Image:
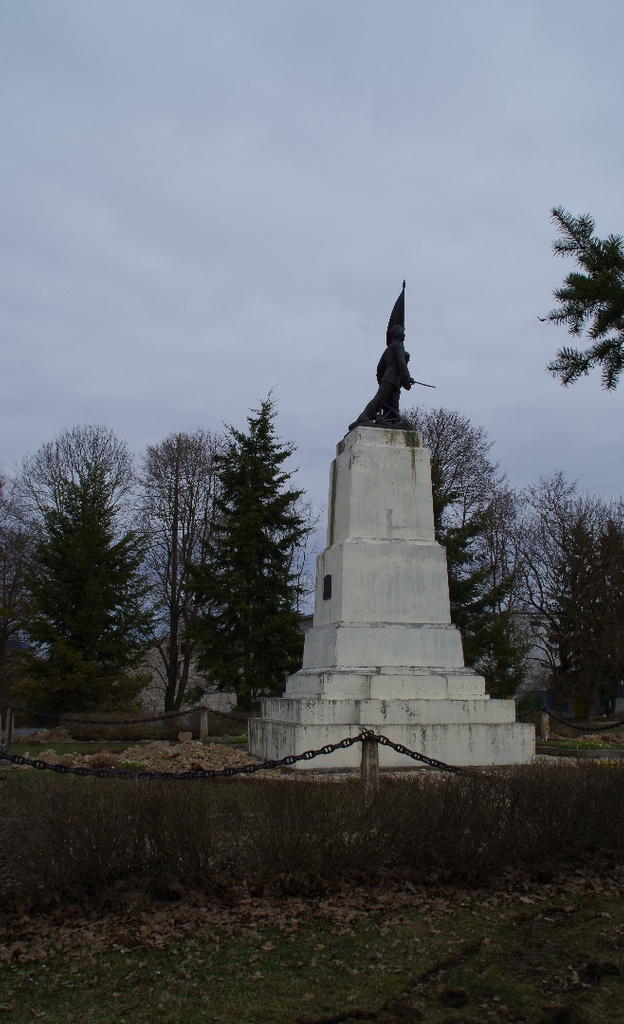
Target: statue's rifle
[(422, 384)]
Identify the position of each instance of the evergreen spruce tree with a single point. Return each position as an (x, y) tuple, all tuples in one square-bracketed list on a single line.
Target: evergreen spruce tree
[(85, 618), (592, 301), (248, 592)]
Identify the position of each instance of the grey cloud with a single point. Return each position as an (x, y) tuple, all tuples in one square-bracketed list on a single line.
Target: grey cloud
[(203, 201)]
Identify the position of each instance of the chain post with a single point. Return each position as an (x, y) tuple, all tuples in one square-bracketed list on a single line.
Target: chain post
[(544, 726), (203, 725), (369, 769)]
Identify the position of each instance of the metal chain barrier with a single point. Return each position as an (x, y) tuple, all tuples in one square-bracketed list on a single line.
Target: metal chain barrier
[(572, 725), (400, 749), (248, 769), (127, 721)]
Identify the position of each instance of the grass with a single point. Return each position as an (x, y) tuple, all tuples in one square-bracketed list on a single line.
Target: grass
[(546, 956), (73, 747), (582, 744)]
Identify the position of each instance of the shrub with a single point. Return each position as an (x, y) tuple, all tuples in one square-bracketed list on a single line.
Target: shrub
[(76, 836)]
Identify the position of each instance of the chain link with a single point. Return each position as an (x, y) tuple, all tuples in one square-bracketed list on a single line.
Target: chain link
[(400, 749), (571, 725), (4, 748), (248, 769), (128, 721)]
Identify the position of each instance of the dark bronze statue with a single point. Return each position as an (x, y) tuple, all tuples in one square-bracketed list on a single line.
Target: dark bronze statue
[(392, 375)]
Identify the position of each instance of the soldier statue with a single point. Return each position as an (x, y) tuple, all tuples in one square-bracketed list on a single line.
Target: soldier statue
[(392, 375)]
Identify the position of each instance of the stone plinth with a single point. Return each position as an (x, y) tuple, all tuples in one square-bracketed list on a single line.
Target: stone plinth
[(382, 653)]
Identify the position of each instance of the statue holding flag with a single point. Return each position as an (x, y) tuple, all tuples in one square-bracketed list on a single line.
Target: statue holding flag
[(392, 375)]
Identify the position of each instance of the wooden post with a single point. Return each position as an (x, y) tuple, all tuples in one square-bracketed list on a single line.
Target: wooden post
[(8, 735), (370, 768), (203, 725)]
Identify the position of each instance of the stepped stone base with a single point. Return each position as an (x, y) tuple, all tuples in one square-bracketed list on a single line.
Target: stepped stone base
[(382, 653), (459, 732)]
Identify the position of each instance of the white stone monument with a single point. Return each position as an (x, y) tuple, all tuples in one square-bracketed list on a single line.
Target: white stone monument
[(382, 653)]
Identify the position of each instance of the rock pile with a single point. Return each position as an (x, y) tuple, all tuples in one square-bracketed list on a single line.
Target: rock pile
[(158, 756)]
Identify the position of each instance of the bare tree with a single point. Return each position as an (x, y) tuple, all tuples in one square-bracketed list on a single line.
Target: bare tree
[(611, 578), (178, 485), (15, 543), (573, 571), (69, 460)]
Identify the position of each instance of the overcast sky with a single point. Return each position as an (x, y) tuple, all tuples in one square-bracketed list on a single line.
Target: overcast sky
[(203, 200)]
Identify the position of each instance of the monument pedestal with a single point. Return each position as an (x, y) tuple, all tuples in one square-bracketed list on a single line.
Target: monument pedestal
[(382, 653)]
